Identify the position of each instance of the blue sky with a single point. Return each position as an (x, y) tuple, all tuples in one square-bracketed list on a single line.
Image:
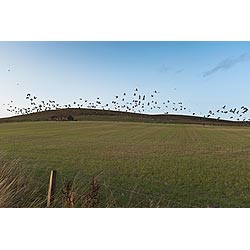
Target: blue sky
[(203, 75)]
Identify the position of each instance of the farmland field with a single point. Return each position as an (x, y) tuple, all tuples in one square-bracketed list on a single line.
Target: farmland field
[(142, 164)]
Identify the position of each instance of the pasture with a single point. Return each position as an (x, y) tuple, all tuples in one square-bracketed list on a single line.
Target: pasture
[(139, 164)]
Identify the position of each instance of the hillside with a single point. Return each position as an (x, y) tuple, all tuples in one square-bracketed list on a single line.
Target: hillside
[(105, 115)]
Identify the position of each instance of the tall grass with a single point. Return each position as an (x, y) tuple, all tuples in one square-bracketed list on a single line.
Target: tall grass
[(18, 187)]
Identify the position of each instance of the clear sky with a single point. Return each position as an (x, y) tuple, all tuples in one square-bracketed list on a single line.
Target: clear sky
[(203, 75)]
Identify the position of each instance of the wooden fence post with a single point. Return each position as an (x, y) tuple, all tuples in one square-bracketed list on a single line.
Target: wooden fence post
[(52, 187)]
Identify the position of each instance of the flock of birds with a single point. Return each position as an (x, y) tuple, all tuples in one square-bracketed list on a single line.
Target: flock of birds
[(136, 103), (140, 103)]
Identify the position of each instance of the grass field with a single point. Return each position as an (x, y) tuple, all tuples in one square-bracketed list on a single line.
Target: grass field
[(140, 164)]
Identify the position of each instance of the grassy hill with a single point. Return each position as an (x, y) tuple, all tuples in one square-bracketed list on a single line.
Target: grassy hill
[(105, 115)]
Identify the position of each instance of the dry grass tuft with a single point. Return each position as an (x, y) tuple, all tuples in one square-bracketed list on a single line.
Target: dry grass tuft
[(68, 195), (91, 198)]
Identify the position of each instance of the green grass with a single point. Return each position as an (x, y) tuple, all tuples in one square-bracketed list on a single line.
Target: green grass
[(164, 164)]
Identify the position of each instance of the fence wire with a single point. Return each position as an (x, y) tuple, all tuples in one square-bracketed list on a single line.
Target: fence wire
[(86, 181)]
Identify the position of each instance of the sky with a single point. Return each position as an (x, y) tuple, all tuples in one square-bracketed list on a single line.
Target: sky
[(202, 75)]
